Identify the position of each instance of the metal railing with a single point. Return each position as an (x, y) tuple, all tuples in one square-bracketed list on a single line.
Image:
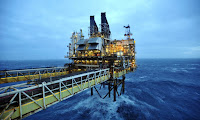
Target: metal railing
[(53, 91), (28, 74)]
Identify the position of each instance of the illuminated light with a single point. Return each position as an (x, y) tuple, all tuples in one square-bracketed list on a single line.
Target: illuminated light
[(121, 53), (83, 61), (118, 53)]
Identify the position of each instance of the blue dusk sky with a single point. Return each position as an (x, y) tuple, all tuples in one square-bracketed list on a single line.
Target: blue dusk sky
[(41, 29)]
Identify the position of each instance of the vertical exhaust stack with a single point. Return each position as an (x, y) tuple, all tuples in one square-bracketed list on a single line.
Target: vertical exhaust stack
[(103, 18), (105, 30), (93, 26)]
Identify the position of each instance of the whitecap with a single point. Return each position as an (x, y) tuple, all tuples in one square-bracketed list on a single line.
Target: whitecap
[(194, 64), (143, 77), (179, 70), (176, 64), (192, 68)]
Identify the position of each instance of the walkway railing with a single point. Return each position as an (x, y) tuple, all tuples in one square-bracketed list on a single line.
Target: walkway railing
[(34, 98), (31, 74)]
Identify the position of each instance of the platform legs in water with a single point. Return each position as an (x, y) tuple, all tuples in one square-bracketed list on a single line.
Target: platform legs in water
[(112, 84)]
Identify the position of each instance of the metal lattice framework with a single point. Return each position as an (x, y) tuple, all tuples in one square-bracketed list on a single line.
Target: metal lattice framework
[(31, 74), (105, 30), (47, 86), (29, 101)]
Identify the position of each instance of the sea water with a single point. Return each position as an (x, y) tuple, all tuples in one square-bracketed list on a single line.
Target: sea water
[(158, 89)]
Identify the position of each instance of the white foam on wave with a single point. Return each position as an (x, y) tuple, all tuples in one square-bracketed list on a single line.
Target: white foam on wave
[(143, 77), (102, 108), (179, 70), (194, 64), (185, 69), (176, 64), (97, 107), (174, 70), (192, 68), (160, 100)]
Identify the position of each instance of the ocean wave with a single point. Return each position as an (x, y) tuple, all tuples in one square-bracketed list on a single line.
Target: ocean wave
[(194, 64), (192, 68), (173, 69), (143, 77), (161, 90)]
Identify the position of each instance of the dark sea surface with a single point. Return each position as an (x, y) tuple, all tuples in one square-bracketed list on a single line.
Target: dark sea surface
[(158, 89), (27, 64)]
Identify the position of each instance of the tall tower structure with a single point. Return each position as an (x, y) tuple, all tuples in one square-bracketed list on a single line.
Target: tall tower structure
[(127, 32)]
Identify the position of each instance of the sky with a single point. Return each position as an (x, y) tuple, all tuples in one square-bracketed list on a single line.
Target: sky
[(41, 29)]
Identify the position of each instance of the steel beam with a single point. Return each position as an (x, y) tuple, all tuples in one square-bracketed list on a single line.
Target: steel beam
[(109, 88), (91, 91), (114, 90), (56, 92), (32, 99), (43, 95), (20, 105), (123, 83)]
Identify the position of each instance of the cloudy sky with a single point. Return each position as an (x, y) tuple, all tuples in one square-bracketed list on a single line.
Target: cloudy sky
[(41, 29)]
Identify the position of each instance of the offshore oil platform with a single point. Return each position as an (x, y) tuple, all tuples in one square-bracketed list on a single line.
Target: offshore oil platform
[(96, 60)]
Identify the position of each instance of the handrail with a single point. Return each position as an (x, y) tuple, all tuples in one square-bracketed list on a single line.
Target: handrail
[(32, 69), (54, 82)]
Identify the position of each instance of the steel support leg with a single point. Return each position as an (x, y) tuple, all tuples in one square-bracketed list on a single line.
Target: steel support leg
[(109, 88), (123, 83), (115, 85), (91, 91), (103, 85)]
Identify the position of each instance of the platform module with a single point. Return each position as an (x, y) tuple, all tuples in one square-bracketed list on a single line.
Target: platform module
[(99, 51), (96, 60)]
